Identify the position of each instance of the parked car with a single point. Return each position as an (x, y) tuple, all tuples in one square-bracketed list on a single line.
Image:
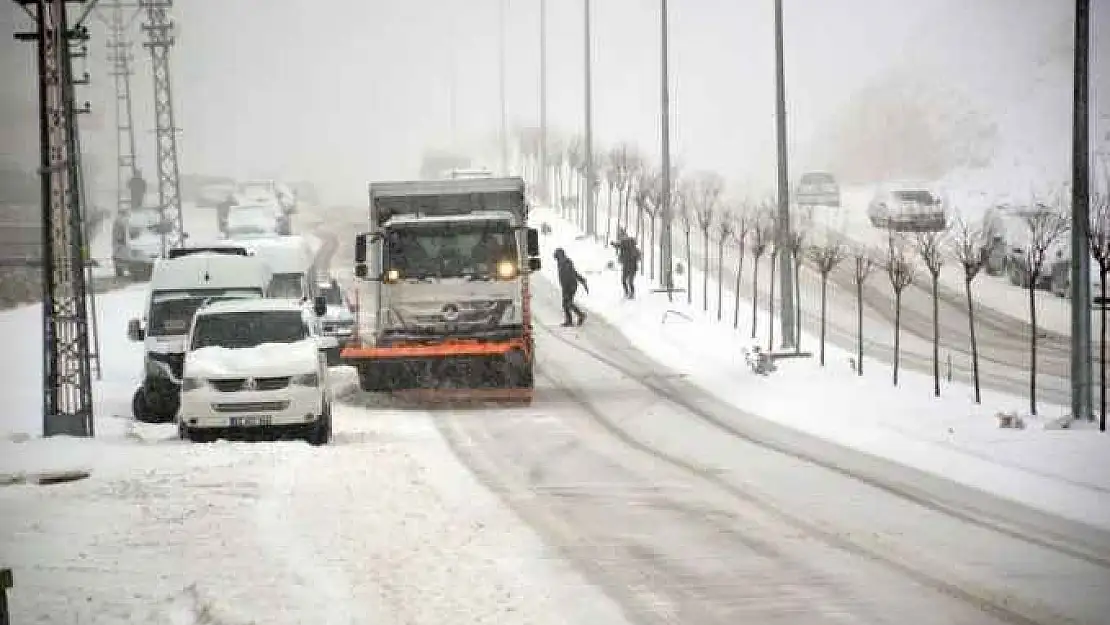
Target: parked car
[(255, 365), (906, 207), (818, 189), (1008, 253)]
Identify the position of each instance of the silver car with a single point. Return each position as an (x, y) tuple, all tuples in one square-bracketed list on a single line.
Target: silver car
[(908, 208)]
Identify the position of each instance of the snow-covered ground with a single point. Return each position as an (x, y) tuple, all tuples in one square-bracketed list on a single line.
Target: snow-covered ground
[(1058, 471), (383, 526)]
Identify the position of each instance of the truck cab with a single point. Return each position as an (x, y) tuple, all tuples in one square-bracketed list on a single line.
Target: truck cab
[(178, 288), (447, 266)]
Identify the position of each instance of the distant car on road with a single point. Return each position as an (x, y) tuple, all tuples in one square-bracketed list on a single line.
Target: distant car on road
[(818, 188), (908, 207)]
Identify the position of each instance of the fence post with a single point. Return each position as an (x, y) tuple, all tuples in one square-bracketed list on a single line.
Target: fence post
[(5, 584)]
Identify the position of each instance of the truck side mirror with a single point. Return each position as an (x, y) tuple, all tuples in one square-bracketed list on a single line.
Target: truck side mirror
[(135, 330), (533, 243), (319, 306), (361, 270)]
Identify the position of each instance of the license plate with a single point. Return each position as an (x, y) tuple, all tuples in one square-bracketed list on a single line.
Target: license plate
[(254, 421)]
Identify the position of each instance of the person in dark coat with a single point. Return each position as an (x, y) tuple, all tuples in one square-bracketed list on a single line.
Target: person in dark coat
[(137, 187), (569, 278), (628, 255)]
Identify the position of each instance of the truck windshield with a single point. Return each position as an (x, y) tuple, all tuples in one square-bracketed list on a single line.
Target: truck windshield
[(287, 286), (450, 250), (171, 313), (248, 329)]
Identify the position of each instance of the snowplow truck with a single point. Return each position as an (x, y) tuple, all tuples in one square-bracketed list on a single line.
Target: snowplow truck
[(443, 290)]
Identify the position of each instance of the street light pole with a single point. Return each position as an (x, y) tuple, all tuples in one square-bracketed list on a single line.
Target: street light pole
[(786, 263), (501, 74), (665, 193), (1081, 398), (591, 221), (543, 104)]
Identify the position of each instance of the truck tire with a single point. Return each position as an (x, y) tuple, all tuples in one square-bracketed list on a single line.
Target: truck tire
[(371, 380), (320, 433)]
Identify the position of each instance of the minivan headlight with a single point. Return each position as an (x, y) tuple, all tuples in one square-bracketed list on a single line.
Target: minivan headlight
[(306, 379)]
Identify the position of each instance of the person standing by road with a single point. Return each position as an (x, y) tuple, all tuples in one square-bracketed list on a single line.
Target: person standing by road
[(137, 187), (569, 279), (628, 255)]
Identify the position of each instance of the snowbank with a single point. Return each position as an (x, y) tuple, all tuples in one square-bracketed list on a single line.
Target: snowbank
[(1059, 471)]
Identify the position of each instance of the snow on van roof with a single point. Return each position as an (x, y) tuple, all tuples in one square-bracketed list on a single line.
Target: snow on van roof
[(249, 305), (475, 216), (209, 271)]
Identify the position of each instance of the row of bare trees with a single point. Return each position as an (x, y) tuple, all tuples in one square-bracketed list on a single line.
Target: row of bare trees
[(702, 212)]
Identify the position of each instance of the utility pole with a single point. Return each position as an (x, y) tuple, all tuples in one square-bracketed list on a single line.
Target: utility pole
[(591, 217), (1081, 399), (786, 263), (67, 379), (501, 74), (159, 29), (544, 187), (666, 261)]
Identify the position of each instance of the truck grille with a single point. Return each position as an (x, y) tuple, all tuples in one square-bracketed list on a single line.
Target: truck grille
[(255, 406), (232, 385)]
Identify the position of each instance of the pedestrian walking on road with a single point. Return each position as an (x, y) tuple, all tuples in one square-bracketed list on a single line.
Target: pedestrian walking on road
[(569, 278), (628, 255)]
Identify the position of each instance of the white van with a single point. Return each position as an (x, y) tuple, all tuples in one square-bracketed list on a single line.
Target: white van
[(178, 287), (292, 264), (255, 365)]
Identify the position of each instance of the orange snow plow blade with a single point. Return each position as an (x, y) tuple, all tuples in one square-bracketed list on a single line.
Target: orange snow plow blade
[(437, 350)]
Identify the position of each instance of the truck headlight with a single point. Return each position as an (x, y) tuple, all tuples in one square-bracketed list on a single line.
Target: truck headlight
[(506, 269), (392, 275), (306, 379), (192, 384)]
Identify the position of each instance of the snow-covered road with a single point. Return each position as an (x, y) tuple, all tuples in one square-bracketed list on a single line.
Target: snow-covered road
[(625, 493)]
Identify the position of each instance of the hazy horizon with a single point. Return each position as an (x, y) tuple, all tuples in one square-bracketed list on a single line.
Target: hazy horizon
[(295, 92)]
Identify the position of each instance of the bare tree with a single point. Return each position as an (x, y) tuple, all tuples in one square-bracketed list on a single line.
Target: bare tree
[(681, 203), (1045, 229), (645, 190), (796, 249), (763, 232), (930, 247), (901, 272), (865, 262), (1099, 235), (775, 249), (971, 249), (725, 229), (706, 195), (742, 227), (826, 256)]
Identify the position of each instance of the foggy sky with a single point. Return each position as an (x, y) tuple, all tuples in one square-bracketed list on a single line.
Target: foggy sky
[(342, 93)]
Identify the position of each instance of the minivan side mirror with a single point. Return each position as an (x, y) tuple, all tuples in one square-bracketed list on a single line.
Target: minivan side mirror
[(319, 306), (135, 330)]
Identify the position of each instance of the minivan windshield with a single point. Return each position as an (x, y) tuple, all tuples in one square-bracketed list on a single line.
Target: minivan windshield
[(238, 330), (172, 312)]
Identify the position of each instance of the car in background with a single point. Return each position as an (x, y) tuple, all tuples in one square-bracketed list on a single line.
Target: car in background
[(338, 321), (818, 188), (908, 207), (1007, 249), (255, 366)]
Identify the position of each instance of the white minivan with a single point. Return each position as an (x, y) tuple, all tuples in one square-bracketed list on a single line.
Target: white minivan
[(256, 366)]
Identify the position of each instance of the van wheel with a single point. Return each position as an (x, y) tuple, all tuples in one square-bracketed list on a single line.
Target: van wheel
[(321, 433)]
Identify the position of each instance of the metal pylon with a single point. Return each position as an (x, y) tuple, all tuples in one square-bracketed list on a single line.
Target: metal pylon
[(159, 29), (121, 57), (67, 381)]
